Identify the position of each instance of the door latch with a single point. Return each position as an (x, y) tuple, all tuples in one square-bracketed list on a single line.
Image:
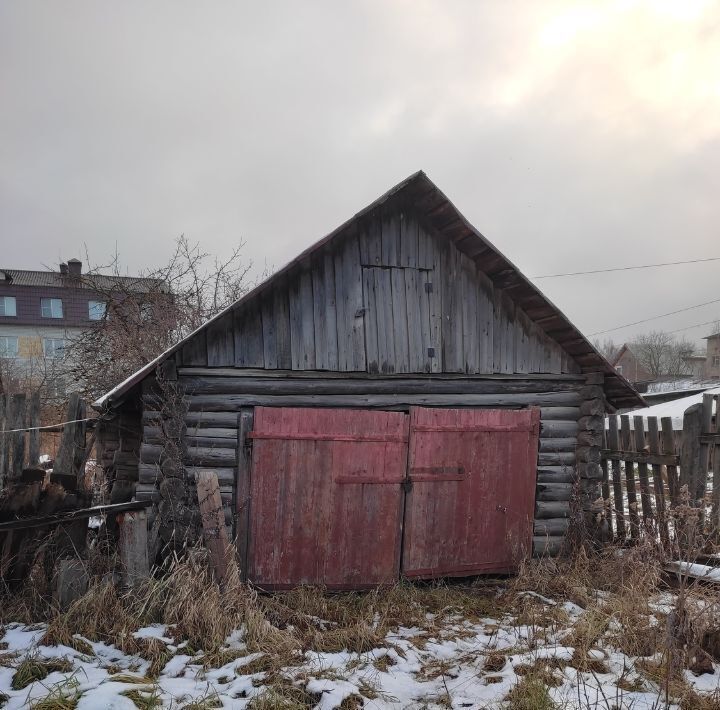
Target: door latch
[(501, 508)]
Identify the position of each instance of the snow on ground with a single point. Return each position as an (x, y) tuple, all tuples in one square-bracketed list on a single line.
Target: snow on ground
[(463, 665)]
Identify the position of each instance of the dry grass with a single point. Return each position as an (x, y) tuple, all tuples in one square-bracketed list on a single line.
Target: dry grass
[(530, 693), (32, 669), (146, 698)]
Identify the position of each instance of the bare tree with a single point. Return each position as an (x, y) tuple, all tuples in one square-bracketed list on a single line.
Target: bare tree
[(143, 318), (607, 348), (661, 353)]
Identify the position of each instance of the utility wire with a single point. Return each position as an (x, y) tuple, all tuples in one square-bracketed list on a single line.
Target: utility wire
[(626, 268), (662, 315), (47, 426), (697, 325)]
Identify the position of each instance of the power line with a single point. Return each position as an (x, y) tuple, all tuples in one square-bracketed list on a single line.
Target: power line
[(626, 268), (662, 315), (697, 325)]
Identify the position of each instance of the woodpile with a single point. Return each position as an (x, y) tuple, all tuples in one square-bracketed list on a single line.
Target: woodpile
[(39, 494)]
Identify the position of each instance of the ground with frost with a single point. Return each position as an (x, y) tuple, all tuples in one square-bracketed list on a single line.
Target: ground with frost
[(532, 658)]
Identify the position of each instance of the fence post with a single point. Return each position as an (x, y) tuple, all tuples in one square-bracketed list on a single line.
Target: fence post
[(17, 421), (690, 465), (34, 433), (716, 470), (4, 441), (213, 522), (626, 444), (133, 544), (613, 439)]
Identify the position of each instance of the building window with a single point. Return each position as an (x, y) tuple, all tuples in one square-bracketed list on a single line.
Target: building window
[(53, 347), (8, 306), (8, 346), (51, 308), (716, 361), (619, 369), (97, 310), (146, 312)]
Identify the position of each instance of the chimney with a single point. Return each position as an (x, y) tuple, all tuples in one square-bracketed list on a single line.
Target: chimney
[(63, 269), (74, 267)]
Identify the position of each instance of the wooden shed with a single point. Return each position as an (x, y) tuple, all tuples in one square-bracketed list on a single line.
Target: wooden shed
[(399, 400)]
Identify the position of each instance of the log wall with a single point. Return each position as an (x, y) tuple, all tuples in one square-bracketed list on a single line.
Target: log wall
[(218, 399)]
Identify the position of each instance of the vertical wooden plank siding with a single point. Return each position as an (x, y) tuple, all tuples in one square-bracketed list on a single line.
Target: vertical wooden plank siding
[(302, 327), (434, 288), (248, 337), (470, 311), (221, 342), (324, 313), (385, 320), (321, 479), (389, 297), (470, 504), (350, 307), (400, 320), (452, 320)]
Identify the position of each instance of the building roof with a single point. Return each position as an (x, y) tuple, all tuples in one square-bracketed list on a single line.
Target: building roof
[(674, 408), (427, 198), (101, 282), (714, 335)]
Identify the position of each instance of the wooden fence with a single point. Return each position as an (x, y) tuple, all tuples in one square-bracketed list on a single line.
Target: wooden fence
[(649, 472), (18, 447), (21, 436)]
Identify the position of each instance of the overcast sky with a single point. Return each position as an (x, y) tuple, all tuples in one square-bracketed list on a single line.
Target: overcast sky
[(574, 135)]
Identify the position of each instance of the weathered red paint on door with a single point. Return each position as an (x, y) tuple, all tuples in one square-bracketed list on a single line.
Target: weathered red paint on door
[(326, 499), (470, 505)]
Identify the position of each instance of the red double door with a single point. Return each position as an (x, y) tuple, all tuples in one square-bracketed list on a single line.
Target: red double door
[(350, 498)]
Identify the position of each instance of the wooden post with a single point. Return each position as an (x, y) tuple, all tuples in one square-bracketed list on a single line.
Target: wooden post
[(668, 439), (213, 522), (716, 471), (654, 444), (66, 451), (614, 445), (133, 544), (34, 433), (690, 454), (17, 439), (639, 440), (606, 490), (242, 489), (4, 441), (630, 488)]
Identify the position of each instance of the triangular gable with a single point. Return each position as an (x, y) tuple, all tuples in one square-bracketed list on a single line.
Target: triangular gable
[(438, 213)]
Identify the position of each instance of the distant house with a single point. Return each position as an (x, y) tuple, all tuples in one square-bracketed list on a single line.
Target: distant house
[(712, 356), (628, 364), (41, 310), (696, 365)]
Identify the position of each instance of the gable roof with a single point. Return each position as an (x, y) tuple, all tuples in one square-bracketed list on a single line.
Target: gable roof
[(90, 281), (427, 198)]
